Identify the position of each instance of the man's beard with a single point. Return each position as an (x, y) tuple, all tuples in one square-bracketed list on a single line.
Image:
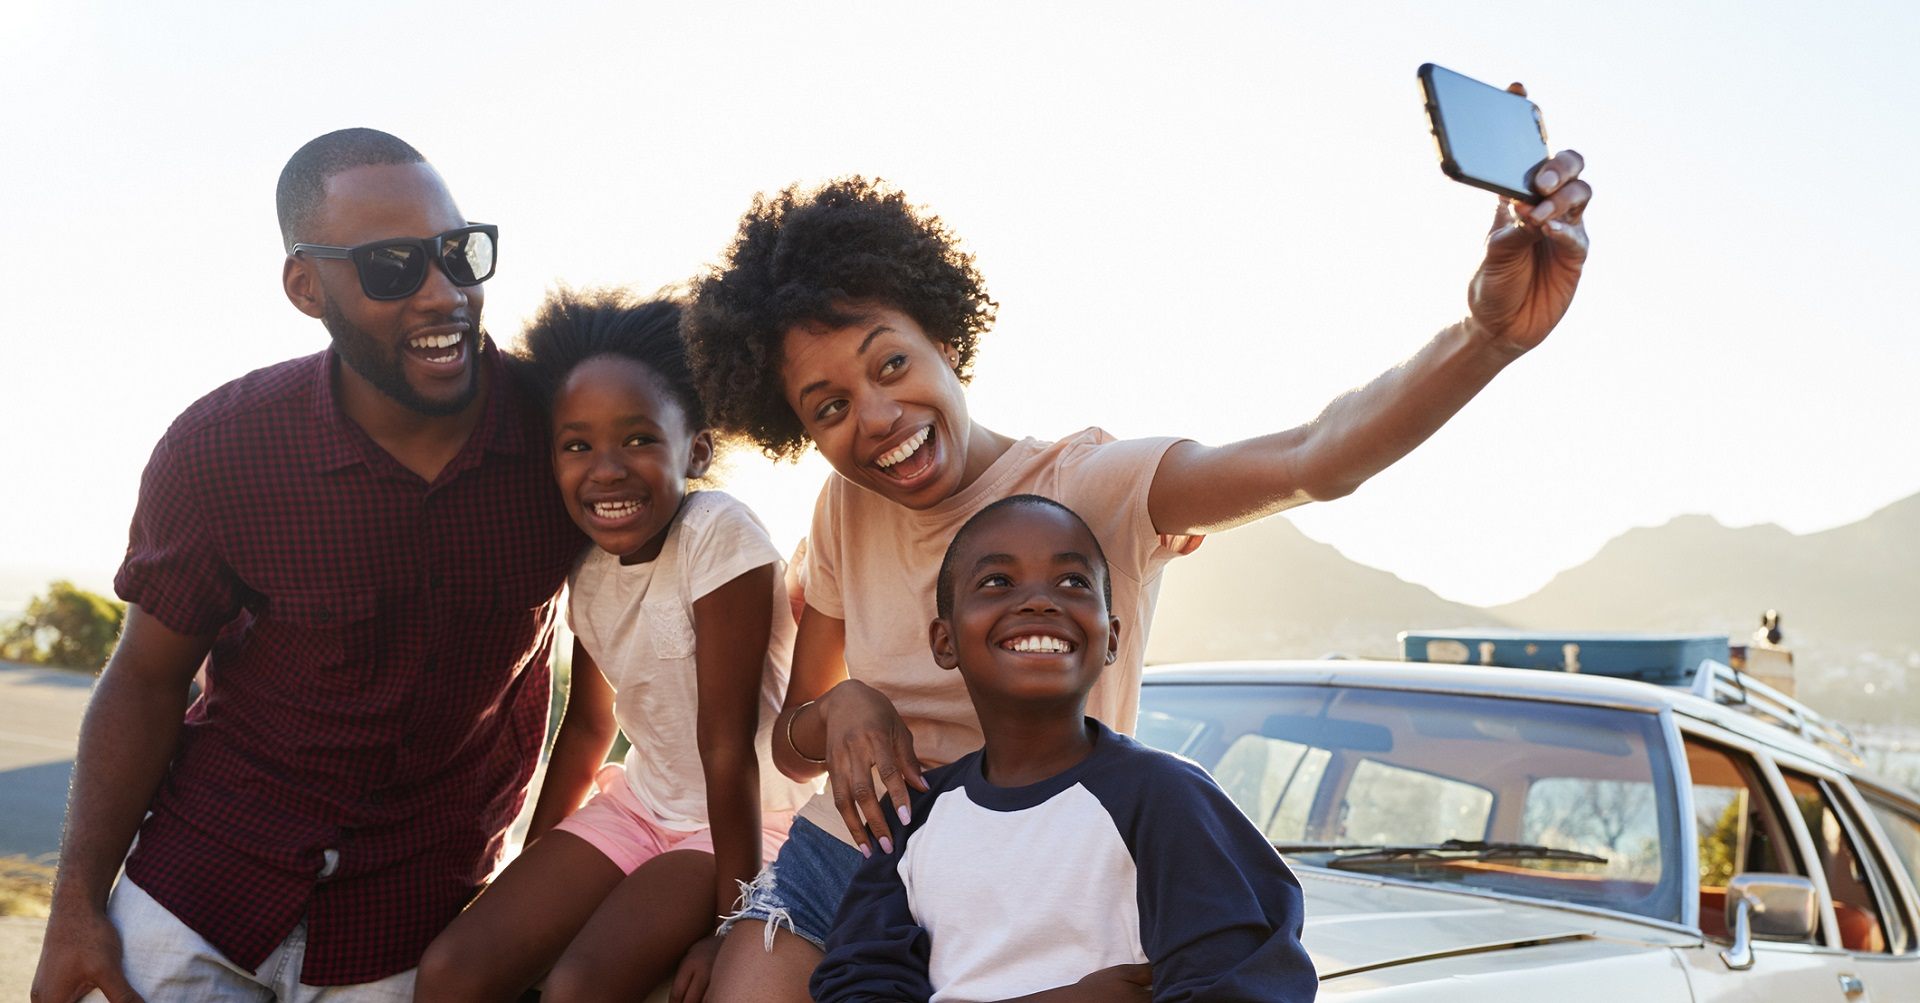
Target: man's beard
[(380, 366)]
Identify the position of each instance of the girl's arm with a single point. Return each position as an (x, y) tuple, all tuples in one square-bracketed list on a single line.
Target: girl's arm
[(731, 626), (586, 733), (1523, 287), (845, 728)]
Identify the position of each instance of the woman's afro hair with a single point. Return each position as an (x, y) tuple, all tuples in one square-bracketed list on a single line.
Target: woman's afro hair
[(804, 257)]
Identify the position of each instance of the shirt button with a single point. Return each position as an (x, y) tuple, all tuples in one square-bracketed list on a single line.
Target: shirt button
[(433, 581), (325, 615)]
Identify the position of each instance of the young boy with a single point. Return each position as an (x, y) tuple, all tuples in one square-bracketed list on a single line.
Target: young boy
[(1062, 856)]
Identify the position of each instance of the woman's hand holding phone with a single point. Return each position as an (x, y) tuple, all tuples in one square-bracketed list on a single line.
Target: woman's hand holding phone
[(1534, 257)]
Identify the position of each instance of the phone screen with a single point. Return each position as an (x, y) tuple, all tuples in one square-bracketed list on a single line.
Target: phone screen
[(1488, 137)]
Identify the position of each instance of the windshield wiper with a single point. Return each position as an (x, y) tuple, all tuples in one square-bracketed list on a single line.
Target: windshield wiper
[(1386, 855)]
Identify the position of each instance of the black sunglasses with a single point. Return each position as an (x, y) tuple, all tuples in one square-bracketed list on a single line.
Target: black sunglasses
[(396, 269)]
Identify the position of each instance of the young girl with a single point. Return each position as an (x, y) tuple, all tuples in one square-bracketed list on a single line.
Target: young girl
[(847, 319), (683, 637)]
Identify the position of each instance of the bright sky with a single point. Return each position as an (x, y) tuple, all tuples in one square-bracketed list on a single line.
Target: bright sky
[(1200, 219)]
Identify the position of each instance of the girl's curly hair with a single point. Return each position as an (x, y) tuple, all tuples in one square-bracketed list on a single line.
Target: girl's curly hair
[(801, 257), (572, 327)]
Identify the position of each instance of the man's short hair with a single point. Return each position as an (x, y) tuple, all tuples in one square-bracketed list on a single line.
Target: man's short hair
[(303, 182), (943, 586)]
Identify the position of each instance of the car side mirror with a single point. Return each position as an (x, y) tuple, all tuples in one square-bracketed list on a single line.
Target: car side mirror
[(1764, 906)]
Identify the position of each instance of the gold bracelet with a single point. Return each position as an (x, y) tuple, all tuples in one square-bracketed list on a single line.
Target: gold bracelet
[(794, 746)]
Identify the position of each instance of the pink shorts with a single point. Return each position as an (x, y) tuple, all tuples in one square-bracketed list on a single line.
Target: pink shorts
[(616, 824)]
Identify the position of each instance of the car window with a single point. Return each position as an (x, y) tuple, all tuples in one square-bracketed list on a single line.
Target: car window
[(1865, 926), (1394, 804), (1377, 781), (1737, 827), (1275, 781), (1903, 831), (1616, 819)]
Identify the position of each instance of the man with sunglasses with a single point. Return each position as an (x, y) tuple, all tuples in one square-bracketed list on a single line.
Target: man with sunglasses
[(363, 548)]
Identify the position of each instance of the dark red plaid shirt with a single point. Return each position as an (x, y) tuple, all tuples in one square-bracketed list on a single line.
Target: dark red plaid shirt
[(378, 685)]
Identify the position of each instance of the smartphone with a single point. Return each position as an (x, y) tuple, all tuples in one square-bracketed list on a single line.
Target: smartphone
[(1488, 138)]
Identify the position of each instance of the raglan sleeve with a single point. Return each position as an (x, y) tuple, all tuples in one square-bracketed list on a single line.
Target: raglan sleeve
[(1220, 913), (876, 953)]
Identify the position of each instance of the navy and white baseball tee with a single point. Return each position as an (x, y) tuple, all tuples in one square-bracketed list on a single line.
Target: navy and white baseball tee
[(1133, 855)]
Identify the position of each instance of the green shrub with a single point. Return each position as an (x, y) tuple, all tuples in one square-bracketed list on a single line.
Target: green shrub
[(68, 627)]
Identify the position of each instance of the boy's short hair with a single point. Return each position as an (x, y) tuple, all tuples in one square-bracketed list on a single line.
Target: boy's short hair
[(572, 327), (801, 256), (943, 586)]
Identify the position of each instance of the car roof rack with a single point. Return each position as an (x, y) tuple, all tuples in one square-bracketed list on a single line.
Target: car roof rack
[(1729, 687)]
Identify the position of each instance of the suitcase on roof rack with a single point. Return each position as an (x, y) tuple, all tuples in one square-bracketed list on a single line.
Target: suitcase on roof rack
[(1663, 659)]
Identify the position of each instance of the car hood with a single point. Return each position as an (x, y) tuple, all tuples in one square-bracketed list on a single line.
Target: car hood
[(1357, 924)]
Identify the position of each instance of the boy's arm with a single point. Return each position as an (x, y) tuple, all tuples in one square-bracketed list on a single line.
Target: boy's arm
[(1521, 290), (1220, 914), (876, 953), (579, 747)]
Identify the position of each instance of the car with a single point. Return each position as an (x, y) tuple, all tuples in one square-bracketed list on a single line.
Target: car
[(1482, 833)]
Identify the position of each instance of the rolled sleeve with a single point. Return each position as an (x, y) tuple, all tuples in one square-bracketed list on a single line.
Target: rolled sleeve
[(173, 569)]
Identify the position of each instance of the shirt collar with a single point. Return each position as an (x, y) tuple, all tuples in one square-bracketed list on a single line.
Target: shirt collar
[(338, 442)]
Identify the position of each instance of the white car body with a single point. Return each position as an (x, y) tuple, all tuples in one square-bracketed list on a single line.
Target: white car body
[(1413, 928)]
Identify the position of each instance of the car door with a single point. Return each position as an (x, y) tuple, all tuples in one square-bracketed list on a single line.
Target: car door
[(1740, 828), (1871, 916)]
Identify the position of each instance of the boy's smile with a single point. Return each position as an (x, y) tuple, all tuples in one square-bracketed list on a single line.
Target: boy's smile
[(1029, 622)]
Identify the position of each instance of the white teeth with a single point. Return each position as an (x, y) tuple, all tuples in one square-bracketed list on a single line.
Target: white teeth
[(904, 450), (435, 341), (1037, 644), (615, 510)]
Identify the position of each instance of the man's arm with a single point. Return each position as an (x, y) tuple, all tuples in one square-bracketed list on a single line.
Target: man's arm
[(126, 741), (1523, 287)]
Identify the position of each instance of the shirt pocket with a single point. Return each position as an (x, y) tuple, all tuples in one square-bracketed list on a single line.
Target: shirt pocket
[(669, 629), (328, 632)]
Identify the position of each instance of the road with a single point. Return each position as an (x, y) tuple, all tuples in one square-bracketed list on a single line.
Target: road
[(39, 729)]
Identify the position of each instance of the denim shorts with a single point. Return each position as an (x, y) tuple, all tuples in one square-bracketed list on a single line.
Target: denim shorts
[(802, 888)]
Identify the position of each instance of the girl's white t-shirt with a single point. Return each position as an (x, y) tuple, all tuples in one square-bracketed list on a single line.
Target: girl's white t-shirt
[(636, 621)]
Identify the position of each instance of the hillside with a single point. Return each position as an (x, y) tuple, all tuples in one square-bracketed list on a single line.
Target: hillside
[(1848, 598), (1266, 590)]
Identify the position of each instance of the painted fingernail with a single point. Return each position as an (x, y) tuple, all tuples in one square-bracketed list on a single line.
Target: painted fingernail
[(905, 817), (864, 851), (1557, 226), (1541, 212), (886, 845), (1547, 180)]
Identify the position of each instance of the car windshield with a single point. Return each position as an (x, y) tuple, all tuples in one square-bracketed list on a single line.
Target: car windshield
[(1525, 797)]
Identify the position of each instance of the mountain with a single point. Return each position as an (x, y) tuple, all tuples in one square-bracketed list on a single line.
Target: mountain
[(1849, 599), (1265, 590), (1858, 583)]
